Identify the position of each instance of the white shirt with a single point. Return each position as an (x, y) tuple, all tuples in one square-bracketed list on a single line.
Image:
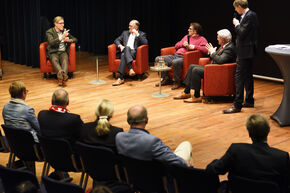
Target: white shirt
[(61, 45), (131, 41)]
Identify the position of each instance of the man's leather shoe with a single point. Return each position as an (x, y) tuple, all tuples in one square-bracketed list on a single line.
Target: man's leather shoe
[(193, 99), (248, 105), (65, 76), (232, 110), (132, 72), (164, 82), (183, 96), (118, 82), (176, 85)]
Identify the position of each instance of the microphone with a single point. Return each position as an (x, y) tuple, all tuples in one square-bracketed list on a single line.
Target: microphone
[(188, 38), (236, 15)]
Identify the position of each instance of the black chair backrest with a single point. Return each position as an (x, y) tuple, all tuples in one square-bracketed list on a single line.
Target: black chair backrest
[(54, 186), (3, 144), (59, 154), (193, 180), (145, 176), (11, 178), (239, 184), (98, 161), (22, 144)]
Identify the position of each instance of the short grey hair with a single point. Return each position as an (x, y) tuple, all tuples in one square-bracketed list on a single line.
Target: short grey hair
[(225, 34), (60, 98)]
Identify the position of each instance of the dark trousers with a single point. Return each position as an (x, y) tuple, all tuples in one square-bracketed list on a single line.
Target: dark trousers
[(244, 79), (127, 56), (176, 61), (193, 77), (59, 61)]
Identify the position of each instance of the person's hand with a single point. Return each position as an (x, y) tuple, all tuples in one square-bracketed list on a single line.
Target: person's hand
[(185, 44), (65, 34), (210, 48), (134, 31), (235, 21), (67, 40), (121, 47), (191, 47)]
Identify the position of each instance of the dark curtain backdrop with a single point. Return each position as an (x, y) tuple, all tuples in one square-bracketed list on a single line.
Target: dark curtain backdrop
[(96, 23)]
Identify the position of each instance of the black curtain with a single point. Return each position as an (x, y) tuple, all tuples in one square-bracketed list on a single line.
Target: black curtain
[(96, 23), (20, 23)]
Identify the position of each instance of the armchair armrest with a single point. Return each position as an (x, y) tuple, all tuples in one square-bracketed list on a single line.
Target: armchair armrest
[(168, 51), (204, 61), (142, 58), (112, 50), (42, 54), (72, 57), (189, 58)]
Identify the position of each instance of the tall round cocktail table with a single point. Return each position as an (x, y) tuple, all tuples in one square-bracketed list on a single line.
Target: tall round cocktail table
[(160, 69)]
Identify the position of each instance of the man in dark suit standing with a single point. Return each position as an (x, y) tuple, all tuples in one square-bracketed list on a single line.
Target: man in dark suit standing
[(225, 54), (256, 161), (58, 122), (59, 40), (127, 43), (246, 44)]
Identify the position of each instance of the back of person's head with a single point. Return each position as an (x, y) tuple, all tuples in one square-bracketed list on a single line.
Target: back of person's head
[(242, 3), (104, 112), (26, 187), (137, 115), (16, 89), (101, 189), (197, 27), (258, 127), (57, 19), (225, 34), (60, 98)]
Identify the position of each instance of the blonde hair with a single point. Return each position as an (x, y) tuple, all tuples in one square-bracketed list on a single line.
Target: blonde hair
[(104, 112), (16, 89), (57, 19), (242, 3)]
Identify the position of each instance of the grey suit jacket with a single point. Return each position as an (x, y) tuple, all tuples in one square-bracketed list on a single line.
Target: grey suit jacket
[(139, 144), (53, 41), (226, 55), (123, 39)]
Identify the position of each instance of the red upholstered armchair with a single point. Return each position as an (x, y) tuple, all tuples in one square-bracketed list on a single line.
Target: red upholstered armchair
[(189, 58), (140, 64), (46, 66), (219, 80)]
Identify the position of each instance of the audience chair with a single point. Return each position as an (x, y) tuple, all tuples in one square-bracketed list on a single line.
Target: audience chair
[(99, 162), (4, 148), (219, 79), (145, 176), (54, 186), (191, 57), (11, 178), (193, 180), (58, 153), (139, 65), (22, 145), (46, 66), (241, 185)]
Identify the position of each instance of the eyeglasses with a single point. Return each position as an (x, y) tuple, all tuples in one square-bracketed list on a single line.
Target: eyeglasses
[(190, 28), (61, 23)]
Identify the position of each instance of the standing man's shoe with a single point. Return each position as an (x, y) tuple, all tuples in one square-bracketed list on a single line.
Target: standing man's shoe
[(232, 110), (248, 105), (118, 82), (132, 72), (183, 95)]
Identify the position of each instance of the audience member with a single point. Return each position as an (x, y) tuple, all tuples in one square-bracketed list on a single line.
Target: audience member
[(58, 122), (257, 161), (59, 40), (26, 187), (247, 43), (101, 132), (17, 113), (225, 54), (192, 41), (139, 144), (127, 44)]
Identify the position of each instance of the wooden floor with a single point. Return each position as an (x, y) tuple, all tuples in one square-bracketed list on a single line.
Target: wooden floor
[(204, 125)]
